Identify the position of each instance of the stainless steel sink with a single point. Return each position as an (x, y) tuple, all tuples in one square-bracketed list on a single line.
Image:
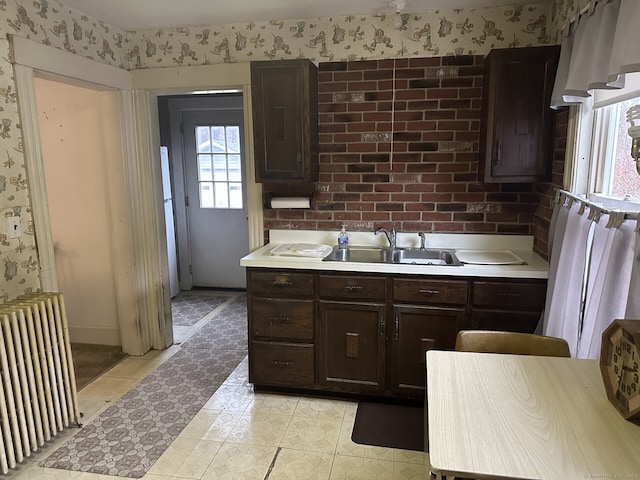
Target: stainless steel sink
[(425, 257), (359, 254), (395, 255)]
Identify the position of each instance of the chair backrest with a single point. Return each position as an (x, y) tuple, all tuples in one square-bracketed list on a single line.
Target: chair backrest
[(487, 341)]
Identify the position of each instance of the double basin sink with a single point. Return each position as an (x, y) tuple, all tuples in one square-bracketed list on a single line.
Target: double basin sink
[(411, 256)]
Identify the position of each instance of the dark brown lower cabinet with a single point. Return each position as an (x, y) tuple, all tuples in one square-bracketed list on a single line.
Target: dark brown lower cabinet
[(352, 346), (367, 334), (416, 330)]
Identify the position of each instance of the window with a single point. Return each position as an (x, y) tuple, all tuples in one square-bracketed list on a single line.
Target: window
[(614, 171), (219, 166), (603, 168)]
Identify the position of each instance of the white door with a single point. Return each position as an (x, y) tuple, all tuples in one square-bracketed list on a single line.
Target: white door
[(213, 146)]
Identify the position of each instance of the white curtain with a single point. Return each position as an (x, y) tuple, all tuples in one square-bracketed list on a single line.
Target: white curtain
[(594, 273), (633, 302), (597, 49), (607, 284), (562, 315)]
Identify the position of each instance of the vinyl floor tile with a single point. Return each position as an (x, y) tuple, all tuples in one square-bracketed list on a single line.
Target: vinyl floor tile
[(240, 462), (301, 465)]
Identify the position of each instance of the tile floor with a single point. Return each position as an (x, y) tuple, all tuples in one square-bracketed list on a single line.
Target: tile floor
[(242, 435)]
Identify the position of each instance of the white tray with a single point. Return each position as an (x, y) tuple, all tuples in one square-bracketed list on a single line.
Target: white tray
[(489, 257), (312, 250)]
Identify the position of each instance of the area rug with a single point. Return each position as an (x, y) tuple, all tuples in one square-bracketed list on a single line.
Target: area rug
[(129, 437), (389, 425), (90, 361), (189, 306)]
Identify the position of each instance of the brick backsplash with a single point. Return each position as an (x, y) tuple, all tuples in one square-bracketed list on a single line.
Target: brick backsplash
[(426, 179)]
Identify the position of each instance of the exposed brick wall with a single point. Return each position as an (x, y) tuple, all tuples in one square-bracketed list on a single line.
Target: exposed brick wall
[(547, 191), (430, 182)]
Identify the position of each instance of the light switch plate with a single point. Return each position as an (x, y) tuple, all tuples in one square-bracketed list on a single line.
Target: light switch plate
[(13, 227)]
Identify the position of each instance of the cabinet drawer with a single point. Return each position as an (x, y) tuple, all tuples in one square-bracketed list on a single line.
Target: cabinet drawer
[(281, 363), (513, 321), (281, 283), (450, 292), (282, 318), (357, 288), (516, 296)]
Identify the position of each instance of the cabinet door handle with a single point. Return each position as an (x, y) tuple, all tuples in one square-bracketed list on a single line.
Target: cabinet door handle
[(381, 329), (396, 334), (279, 363), (498, 154), (428, 291), (273, 320), (352, 288)]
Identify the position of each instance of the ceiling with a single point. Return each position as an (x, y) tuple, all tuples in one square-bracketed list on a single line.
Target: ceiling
[(133, 15)]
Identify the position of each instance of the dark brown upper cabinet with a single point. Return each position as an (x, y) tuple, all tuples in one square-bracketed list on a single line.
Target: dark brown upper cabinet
[(285, 120), (517, 123)]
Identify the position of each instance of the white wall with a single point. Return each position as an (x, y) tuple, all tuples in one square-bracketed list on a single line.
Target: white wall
[(83, 162)]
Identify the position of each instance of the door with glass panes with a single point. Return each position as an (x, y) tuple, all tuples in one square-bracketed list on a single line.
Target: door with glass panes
[(213, 145)]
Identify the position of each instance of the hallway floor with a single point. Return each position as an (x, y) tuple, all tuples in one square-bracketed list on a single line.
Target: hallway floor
[(242, 435)]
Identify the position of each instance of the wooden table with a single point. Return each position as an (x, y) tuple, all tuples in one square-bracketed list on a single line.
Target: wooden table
[(494, 416)]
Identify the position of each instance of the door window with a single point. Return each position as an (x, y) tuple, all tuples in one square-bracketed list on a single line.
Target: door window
[(219, 166)]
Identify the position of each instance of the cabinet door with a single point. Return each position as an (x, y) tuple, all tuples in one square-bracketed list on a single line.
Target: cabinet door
[(352, 346), (416, 330), (517, 126), (284, 101)]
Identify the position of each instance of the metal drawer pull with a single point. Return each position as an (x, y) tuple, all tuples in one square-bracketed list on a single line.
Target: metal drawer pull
[(427, 291), (277, 283), (351, 288), (510, 294), (278, 363), (279, 319), (397, 328)]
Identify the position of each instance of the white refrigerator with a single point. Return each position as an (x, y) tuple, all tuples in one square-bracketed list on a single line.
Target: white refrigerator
[(174, 284)]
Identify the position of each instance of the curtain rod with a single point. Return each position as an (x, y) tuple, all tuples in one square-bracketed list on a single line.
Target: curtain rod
[(596, 210)]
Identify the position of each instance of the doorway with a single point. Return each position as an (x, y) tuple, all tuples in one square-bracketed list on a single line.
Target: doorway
[(205, 139), (83, 164)]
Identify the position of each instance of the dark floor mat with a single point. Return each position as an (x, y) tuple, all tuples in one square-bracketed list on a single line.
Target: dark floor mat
[(389, 425), (91, 361)]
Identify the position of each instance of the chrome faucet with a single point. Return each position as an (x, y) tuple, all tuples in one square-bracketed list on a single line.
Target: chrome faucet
[(391, 235), (422, 241)]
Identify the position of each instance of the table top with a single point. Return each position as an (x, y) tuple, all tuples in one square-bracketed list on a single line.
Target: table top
[(495, 416)]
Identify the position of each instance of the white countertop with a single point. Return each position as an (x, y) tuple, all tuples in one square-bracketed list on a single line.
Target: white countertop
[(534, 266)]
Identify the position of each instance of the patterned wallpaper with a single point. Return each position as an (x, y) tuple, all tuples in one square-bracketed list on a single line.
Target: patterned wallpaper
[(439, 33)]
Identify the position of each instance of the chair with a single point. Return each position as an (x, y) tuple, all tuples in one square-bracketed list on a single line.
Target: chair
[(487, 341)]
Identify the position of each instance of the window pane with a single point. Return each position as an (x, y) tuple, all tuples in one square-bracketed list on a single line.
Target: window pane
[(235, 195), (204, 168), (218, 140), (203, 142), (233, 139), (206, 195), (222, 196), (220, 168), (235, 168), (624, 179)]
